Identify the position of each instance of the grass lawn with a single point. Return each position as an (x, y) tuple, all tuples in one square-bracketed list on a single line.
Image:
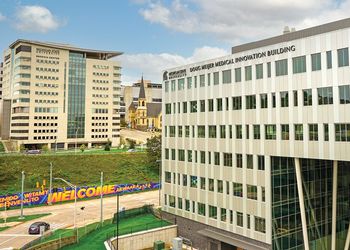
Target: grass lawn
[(80, 169), (26, 218), (3, 228), (95, 239)]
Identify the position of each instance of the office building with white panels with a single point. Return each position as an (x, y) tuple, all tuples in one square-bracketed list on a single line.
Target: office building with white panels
[(256, 144)]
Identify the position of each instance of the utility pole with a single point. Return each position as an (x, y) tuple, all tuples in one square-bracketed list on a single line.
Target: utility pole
[(101, 220), (50, 190), (22, 196)]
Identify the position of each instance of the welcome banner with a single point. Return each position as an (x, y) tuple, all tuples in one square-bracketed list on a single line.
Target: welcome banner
[(68, 194)]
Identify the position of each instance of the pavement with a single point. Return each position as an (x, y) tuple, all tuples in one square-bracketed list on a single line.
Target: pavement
[(137, 135), (62, 216)]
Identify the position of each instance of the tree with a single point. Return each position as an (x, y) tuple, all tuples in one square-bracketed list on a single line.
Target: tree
[(45, 148), (82, 147), (108, 145), (132, 143), (154, 149)]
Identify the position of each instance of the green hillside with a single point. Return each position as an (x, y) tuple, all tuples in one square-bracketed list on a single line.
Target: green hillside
[(78, 169)]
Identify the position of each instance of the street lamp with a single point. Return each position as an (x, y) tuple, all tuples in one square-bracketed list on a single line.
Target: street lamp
[(159, 162), (75, 201)]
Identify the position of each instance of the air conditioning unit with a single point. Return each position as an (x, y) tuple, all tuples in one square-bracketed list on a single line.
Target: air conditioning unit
[(177, 244)]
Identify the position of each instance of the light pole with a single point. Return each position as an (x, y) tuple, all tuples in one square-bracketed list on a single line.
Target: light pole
[(75, 202), (22, 196), (160, 178), (50, 190)]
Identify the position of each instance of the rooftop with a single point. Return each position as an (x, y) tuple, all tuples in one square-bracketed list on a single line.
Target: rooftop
[(91, 52)]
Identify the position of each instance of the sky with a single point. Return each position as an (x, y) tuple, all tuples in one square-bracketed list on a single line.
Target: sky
[(158, 34)]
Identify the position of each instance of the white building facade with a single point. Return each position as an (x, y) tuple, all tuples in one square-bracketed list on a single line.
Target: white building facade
[(256, 144), (60, 96)]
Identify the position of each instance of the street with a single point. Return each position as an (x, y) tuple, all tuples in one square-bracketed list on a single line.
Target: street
[(63, 215)]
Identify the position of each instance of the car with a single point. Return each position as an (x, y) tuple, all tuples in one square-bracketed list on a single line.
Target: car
[(33, 152), (132, 150), (35, 227)]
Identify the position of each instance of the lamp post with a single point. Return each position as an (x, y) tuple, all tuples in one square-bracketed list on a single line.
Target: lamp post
[(22, 196), (50, 190), (75, 201), (159, 178)]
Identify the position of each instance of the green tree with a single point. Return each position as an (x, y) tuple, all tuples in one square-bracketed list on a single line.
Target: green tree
[(45, 148), (82, 147), (154, 149), (108, 145), (132, 143)]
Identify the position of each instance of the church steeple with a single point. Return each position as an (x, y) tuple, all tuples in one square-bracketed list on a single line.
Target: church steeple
[(142, 94)]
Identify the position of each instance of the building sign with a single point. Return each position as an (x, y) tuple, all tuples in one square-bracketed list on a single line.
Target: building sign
[(68, 194), (54, 52), (243, 58), (177, 74)]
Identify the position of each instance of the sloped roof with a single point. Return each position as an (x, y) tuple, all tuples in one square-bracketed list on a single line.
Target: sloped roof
[(154, 109), (132, 106)]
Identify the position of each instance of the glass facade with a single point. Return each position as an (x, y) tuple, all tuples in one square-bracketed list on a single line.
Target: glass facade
[(317, 178), (76, 95)]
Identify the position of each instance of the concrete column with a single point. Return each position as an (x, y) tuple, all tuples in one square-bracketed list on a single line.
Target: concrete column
[(89, 145), (334, 204), (301, 203), (66, 145), (347, 242)]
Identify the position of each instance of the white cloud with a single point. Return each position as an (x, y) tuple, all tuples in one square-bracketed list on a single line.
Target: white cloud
[(2, 17), (242, 20), (151, 65), (36, 19)]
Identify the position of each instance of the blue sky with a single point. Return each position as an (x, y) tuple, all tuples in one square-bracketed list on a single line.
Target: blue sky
[(156, 34)]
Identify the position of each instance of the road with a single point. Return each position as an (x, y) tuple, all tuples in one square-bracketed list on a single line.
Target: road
[(63, 215), (137, 135)]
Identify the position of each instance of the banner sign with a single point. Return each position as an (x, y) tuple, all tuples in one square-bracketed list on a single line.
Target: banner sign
[(68, 194)]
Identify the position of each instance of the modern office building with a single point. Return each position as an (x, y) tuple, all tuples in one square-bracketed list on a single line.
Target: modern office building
[(60, 96), (1, 76), (256, 144), (130, 94)]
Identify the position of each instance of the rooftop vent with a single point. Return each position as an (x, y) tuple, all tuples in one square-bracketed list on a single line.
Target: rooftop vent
[(286, 30)]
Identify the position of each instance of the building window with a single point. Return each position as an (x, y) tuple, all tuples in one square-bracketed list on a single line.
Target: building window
[(227, 159), (252, 192), (211, 105), (238, 131), (256, 130), (313, 132), (172, 131), (248, 73), (343, 57), (263, 101), (227, 104), (298, 132), (173, 156), (216, 78), (263, 194), (226, 76), (223, 214), (273, 97), (189, 155), (239, 219), (179, 202), (219, 104), (299, 64), (167, 177), (167, 154), (295, 97), (281, 67), (187, 205), (220, 185), (285, 131), (202, 155), (261, 162), (316, 61), (202, 183), (270, 132), (201, 131), (237, 189), (201, 208), (344, 94), (189, 82), (179, 130), (268, 69), (202, 105), (237, 103), (212, 131), (329, 59), (193, 105), (250, 162), (184, 180), (184, 107), (181, 84), (193, 181), (216, 158), (238, 75), (181, 154), (284, 99), (208, 79), (202, 80), (173, 85), (239, 161), (248, 221), (342, 132), (230, 131), (307, 94), (260, 224), (211, 185), (222, 131), (247, 131), (213, 212), (326, 132), (187, 131), (171, 201), (325, 96), (250, 102), (259, 71)]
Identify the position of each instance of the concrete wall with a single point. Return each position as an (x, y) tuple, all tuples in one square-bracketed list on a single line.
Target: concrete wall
[(145, 239)]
